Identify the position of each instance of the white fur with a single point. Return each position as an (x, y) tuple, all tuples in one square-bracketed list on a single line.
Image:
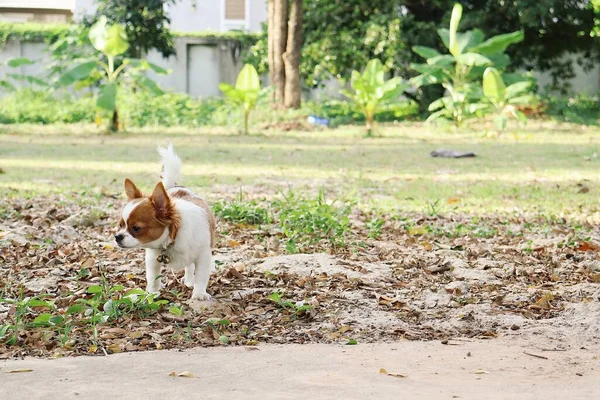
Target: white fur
[(191, 249), (171, 166), (128, 240)]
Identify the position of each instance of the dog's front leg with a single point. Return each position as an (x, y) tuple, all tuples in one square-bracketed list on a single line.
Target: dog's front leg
[(152, 271), (201, 275)]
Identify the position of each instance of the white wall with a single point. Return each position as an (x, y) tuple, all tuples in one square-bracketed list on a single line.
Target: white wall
[(83, 7), (205, 15), (258, 14), (35, 51), (198, 68), (584, 82)]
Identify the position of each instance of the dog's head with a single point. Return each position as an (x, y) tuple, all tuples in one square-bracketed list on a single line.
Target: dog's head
[(146, 221)]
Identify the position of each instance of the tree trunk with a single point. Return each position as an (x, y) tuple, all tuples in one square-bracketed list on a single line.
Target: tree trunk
[(280, 14), (246, 117), (291, 57), (114, 123), (271, 41)]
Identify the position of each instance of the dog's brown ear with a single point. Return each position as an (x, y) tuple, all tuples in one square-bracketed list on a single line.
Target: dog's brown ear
[(131, 190), (160, 200)]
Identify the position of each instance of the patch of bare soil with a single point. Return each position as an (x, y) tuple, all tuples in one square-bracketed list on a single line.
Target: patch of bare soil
[(420, 280)]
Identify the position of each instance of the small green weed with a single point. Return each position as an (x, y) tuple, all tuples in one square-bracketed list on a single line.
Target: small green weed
[(298, 308), (24, 307), (306, 222), (375, 227), (242, 212)]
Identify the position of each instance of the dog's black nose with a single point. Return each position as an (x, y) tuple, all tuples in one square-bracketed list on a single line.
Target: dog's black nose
[(119, 237)]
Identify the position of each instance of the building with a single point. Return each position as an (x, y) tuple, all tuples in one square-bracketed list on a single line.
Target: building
[(205, 15), (43, 11), (186, 15)]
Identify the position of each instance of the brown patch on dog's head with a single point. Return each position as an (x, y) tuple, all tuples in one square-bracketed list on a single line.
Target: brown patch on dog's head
[(147, 218)]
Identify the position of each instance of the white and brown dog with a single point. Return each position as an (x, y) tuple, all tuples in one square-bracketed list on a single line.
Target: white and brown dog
[(174, 225)]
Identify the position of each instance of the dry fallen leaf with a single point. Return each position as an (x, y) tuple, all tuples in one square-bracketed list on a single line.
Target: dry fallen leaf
[(544, 301), (115, 348), (16, 371), (416, 230), (233, 243), (588, 246), (395, 375), (184, 374), (90, 262)]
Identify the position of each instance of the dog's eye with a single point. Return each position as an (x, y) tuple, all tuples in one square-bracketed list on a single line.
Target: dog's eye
[(136, 229)]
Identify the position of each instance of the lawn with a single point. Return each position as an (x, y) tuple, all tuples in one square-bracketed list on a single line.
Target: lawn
[(547, 169), (323, 236)]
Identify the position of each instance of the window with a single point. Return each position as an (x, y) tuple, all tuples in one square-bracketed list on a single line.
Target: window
[(235, 10), (235, 14)]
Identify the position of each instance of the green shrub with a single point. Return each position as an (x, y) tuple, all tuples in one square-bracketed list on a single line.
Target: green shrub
[(41, 107), (370, 90), (343, 112), (141, 109), (246, 93), (580, 109), (460, 71), (171, 109), (138, 109)]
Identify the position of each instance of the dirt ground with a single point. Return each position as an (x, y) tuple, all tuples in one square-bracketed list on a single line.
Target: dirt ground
[(530, 279)]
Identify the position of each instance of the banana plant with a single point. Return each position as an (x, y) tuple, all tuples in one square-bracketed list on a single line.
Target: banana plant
[(460, 71), (6, 83), (246, 93), (503, 100), (371, 91), (108, 70)]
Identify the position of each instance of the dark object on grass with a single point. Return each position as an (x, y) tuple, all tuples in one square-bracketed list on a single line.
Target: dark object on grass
[(450, 154)]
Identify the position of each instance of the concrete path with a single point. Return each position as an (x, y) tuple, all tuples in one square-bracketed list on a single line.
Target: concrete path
[(495, 369)]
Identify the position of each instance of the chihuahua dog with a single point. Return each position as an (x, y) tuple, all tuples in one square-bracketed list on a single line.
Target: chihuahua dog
[(174, 225)]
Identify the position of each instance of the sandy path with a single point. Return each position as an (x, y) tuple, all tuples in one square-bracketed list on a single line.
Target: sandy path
[(494, 369)]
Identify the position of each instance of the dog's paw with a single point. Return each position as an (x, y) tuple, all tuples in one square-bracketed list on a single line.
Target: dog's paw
[(202, 296), (187, 282)]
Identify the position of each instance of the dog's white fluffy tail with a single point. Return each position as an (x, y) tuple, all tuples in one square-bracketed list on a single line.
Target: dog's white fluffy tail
[(171, 166)]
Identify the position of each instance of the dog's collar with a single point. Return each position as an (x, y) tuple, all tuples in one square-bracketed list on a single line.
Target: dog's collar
[(163, 258)]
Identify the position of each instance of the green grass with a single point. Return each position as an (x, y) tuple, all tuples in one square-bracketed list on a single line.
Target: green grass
[(539, 169)]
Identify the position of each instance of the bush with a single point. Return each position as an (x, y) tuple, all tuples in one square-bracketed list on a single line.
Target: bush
[(139, 110), (172, 109), (343, 112), (580, 109), (41, 107)]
